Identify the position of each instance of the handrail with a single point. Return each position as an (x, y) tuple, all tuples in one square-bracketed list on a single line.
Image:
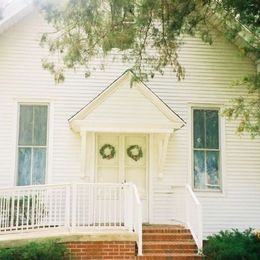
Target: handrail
[(35, 187), (32, 187), (188, 187), (137, 220), (136, 195), (194, 216), (188, 211)]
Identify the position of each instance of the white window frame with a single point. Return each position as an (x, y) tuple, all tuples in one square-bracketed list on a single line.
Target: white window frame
[(29, 102), (222, 146)]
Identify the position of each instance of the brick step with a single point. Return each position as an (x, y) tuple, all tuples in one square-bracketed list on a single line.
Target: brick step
[(165, 256), (166, 230), (166, 236), (168, 242), (189, 244), (169, 247), (147, 226), (170, 251)]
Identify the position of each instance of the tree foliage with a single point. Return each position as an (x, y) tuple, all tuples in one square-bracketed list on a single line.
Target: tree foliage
[(86, 29), (147, 34), (247, 108), (246, 11)]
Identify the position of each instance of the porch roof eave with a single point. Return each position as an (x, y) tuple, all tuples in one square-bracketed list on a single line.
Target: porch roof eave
[(82, 126)]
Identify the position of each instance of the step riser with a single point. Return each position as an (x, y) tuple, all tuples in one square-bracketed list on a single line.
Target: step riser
[(166, 237), (171, 231), (170, 252), (169, 257), (169, 245), (169, 248)]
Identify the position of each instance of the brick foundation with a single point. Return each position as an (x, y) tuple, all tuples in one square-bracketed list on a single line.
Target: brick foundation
[(101, 250)]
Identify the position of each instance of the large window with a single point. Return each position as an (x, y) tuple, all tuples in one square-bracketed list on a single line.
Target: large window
[(206, 149), (32, 144)]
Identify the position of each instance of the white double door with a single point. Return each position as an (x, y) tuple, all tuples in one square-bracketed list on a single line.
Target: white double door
[(129, 163)]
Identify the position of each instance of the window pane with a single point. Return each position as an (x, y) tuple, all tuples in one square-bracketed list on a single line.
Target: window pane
[(212, 169), (39, 165), (199, 169), (25, 125), (198, 128), (24, 166), (212, 129), (40, 125)]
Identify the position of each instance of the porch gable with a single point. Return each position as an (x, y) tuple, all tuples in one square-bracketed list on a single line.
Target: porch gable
[(126, 106)]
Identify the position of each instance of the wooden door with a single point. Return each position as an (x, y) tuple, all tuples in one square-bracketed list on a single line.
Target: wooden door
[(124, 158)]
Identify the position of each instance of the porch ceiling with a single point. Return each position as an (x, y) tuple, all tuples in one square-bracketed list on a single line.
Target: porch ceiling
[(126, 107)]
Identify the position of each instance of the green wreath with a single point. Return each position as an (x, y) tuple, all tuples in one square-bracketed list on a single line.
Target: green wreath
[(135, 152), (107, 155)]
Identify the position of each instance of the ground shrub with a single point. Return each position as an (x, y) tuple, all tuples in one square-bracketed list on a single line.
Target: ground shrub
[(48, 250), (233, 245)]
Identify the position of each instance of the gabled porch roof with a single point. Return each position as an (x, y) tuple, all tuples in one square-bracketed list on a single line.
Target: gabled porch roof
[(126, 106)]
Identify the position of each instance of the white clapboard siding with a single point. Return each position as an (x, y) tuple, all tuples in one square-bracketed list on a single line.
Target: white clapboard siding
[(209, 71)]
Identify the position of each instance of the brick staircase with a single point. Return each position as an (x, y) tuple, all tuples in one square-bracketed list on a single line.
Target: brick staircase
[(168, 242)]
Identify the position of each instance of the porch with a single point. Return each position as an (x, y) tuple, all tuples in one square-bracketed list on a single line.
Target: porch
[(89, 209)]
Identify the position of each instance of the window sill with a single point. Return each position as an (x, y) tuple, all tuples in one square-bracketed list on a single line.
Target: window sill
[(209, 193)]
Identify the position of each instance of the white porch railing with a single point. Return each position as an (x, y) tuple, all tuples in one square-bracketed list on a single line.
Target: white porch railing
[(75, 207), (98, 205), (33, 207), (187, 210)]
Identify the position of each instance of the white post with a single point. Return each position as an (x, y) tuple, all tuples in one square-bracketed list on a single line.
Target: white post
[(33, 209), (12, 209), (140, 230), (186, 205), (128, 212), (68, 209), (74, 205), (131, 207), (83, 157), (200, 231)]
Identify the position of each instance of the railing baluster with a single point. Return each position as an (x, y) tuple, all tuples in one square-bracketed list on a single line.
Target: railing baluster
[(78, 202), (61, 222), (17, 210), (12, 210), (28, 209), (1, 212), (4, 212), (74, 205), (37, 211), (67, 207), (8, 213), (109, 214), (120, 205), (88, 204), (83, 208), (22, 217), (114, 206), (99, 201)]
